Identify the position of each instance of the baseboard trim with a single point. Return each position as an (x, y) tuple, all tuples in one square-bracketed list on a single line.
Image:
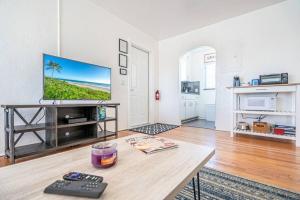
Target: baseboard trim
[(189, 120)]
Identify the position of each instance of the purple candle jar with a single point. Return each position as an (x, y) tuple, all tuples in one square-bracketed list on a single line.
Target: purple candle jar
[(104, 154)]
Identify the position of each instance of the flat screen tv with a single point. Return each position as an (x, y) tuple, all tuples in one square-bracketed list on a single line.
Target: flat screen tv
[(66, 79)]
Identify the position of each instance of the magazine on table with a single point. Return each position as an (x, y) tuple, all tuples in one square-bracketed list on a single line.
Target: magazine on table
[(151, 144)]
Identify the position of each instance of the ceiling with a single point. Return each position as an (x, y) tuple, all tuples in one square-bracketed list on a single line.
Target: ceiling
[(166, 18)]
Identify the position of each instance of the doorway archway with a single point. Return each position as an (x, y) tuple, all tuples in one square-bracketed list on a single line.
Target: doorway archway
[(197, 83)]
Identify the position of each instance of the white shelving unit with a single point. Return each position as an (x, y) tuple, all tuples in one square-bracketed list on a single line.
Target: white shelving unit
[(286, 137), (291, 92), (280, 113)]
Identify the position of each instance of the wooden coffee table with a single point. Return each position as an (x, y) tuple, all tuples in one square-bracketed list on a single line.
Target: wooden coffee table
[(136, 175)]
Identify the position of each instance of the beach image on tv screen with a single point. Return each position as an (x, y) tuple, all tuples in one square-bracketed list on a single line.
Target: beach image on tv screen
[(66, 79)]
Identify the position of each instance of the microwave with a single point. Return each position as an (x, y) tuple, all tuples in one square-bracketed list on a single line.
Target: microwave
[(260, 103)]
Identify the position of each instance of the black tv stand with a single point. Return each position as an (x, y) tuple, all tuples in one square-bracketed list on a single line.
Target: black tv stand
[(58, 133)]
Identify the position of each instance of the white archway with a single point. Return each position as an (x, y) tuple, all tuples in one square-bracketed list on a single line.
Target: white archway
[(197, 78)]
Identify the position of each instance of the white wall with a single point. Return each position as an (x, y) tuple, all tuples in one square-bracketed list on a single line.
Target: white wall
[(263, 41), (91, 34), (88, 33), (27, 29)]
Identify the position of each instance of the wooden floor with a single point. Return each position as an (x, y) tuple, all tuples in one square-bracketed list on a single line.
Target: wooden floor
[(275, 163)]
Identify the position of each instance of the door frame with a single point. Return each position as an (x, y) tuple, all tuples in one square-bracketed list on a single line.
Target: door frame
[(129, 68)]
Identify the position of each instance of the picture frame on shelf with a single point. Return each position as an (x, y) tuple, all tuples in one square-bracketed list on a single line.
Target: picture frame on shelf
[(123, 46), (123, 71), (123, 60)]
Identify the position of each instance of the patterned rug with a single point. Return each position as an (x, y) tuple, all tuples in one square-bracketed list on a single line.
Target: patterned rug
[(218, 185), (154, 129)]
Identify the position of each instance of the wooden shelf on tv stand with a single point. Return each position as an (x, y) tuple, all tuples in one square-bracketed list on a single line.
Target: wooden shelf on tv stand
[(58, 134)]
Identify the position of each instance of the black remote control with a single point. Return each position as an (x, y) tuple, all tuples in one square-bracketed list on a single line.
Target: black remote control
[(76, 188), (77, 176)]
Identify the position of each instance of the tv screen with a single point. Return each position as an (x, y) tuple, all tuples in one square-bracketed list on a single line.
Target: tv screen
[(66, 79)]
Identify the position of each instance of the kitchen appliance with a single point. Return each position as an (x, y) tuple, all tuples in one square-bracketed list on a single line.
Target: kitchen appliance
[(261, 127), (269, 79), (236, 81), (75, 119), (244, 126), (262, 103)]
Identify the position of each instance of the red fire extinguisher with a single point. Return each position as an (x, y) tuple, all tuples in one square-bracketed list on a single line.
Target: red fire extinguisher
[(157, 95)]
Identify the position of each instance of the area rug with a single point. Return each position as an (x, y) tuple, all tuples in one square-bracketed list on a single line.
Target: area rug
[(218, 185), (154, 129)]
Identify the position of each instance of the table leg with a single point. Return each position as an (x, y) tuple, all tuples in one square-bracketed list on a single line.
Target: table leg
[(198, 183), (194, 189)]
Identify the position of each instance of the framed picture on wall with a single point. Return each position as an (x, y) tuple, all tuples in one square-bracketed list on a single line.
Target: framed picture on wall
[(123, 46), (123, 60), (209, 57), (123, 71)]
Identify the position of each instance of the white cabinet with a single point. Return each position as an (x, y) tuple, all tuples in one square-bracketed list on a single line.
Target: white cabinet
[(189, 107), (196, 109), (182, 109)]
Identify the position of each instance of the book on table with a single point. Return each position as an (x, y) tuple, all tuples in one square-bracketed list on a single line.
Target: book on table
[(151, 144)]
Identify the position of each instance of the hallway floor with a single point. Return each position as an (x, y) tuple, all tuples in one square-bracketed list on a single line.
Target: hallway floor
[(200, 123)]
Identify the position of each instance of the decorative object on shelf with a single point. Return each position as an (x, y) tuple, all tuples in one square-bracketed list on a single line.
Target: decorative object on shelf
[(104, 154), (123, 71), (255, 82), (209, 58), (261, 127), (270, 79), (123, 46), (243, 126), (236, 81), (287, 130), (123, 60), (278, 131), (102, 113)]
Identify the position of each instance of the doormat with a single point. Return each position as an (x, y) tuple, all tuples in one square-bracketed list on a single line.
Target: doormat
[(154, 129)]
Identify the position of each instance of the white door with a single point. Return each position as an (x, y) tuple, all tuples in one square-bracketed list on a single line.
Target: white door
[(139, 88)]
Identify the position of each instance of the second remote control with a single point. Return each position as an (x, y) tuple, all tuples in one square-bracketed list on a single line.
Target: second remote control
[(77, 176)]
